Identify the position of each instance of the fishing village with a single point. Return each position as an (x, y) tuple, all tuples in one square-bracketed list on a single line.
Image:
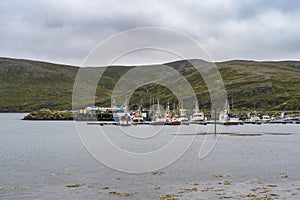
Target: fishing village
[(149, 100)]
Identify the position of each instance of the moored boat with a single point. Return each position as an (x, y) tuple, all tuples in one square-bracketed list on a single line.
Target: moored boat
[(197, 117), (253, 120), (182, 115), (227, 118), (266, 119), (184, 119), (121, 115), (158, 119), (173, 121), (137, 118)]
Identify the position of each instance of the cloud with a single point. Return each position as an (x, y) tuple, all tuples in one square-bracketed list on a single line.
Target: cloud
[(65, 31), (271, 34)]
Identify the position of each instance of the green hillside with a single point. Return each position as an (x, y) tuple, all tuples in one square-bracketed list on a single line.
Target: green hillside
[(30, 85), (27, 85)]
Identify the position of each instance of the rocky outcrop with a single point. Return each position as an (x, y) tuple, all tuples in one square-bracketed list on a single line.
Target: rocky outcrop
[(46, 114)]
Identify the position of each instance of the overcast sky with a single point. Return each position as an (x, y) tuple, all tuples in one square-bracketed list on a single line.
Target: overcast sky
[(64, 31)]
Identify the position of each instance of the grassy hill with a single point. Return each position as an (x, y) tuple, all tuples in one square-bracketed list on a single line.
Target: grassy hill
[(30, 85), (27, 85)]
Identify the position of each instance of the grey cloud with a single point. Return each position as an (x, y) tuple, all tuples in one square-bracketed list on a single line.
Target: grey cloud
[(65, 31)]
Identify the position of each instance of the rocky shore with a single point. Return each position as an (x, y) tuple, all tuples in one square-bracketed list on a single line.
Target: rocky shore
[(46, 114)]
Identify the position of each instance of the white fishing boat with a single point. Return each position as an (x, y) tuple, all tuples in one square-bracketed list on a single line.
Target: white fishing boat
[(266, 119), (184, 119), (197, 117), (227, 118), (182, 115), (294, 118), (158, 119), (138, 118), (253, 120), (121, 116)]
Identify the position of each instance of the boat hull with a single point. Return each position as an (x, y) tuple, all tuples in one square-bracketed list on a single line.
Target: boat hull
[(201, 122), (230, 123), (174, 123), (158, 123)]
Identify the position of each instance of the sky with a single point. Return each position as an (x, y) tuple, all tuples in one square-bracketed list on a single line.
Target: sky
[(62, 31)]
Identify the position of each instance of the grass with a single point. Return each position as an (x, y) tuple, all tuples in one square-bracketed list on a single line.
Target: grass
[(31, 85)]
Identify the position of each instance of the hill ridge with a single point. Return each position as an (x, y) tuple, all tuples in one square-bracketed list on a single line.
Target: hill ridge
[(27, 85)]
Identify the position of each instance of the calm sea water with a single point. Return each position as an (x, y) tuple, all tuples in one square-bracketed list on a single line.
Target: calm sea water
[(46, 160)]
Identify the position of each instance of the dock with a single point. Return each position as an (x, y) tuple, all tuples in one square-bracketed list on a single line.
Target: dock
[(102, 123)]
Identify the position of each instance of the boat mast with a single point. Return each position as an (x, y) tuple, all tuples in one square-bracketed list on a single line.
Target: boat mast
[(126, 105), (141, 105), (168, 109), (181, 108), (150, 104), (158, 108), (226, 106), (232, 101), (174, 108), (196, 107)]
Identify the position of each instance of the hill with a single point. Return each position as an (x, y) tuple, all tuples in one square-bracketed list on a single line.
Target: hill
[(27, 85)]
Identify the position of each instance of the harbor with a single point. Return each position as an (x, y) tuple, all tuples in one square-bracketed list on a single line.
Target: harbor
[(162, 115)]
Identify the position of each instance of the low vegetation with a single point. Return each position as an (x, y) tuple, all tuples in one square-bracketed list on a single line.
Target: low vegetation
[(45, 114), (27, 85)]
